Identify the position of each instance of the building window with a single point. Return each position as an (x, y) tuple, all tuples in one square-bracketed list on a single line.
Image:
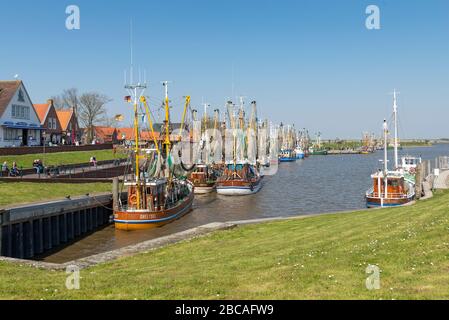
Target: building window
[(10, 134), (20, 112), (51, 123), (21, 98)]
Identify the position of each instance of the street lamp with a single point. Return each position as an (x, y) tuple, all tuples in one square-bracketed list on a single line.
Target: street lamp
[(44, 135)]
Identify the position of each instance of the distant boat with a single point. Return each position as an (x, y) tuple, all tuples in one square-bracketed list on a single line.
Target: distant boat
[(316, 150), (287, 155), (299, 153), (319, 152)]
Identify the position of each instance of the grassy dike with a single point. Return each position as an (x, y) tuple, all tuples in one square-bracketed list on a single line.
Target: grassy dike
[(60, 158), (14, 193), (323, 257)]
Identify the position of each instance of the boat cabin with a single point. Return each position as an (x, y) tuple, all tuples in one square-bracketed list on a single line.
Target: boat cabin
[(409, 163), (201, 174), (396, 186), (241, 171), (286, 153), (152, 195)]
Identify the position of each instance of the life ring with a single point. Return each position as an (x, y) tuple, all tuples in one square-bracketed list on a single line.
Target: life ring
[(412, 170), (132, 199)]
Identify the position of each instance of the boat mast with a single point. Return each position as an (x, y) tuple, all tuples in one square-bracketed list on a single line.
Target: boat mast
[(205, 137), (136, 91), (167, 142), (184, 113), (395, 116), (241, 130), (319, 140)]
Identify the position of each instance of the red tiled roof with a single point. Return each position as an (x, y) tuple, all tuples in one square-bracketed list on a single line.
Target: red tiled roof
[(64, 117), (103, 132), (7, 91), (106, 133), (42, 110), (128, 134)]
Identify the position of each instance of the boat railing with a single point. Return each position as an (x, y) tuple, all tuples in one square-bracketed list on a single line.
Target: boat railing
[(388, 195)]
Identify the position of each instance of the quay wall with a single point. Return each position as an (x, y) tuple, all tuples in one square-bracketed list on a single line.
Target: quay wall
[(32, 230)]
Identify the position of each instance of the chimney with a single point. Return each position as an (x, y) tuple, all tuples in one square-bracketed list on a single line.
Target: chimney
[(50, 102)]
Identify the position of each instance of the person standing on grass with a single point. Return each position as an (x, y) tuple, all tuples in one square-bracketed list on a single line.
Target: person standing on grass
[(5, 170)]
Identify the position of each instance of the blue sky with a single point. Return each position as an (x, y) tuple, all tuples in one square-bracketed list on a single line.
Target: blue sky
[(312, 63)]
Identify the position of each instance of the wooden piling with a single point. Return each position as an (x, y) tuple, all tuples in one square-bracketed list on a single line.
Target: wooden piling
[(115, 193), (419, 180)]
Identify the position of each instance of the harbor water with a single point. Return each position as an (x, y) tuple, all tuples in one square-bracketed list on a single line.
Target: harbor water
[(317, 184)]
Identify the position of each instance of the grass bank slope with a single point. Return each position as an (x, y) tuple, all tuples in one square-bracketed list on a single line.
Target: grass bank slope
[(60, 158), (322, 257), (14, 193)]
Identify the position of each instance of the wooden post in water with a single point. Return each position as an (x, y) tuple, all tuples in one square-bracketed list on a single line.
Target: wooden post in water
[(115, 193), (419, 180)]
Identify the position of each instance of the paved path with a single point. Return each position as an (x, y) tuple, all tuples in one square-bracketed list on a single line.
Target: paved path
[(66, 171)]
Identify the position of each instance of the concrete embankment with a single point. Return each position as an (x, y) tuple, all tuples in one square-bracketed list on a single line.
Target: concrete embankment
[(30, 230)]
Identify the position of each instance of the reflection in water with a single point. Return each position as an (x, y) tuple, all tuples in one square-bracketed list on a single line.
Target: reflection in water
[(315, 185)]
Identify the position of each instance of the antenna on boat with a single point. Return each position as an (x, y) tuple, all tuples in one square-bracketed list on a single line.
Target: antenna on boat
[(167, 142), (233, 84), (385, 146), (131, 75), (395, 118)]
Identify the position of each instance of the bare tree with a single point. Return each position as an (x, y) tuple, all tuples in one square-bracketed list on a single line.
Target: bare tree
[(68, 99), (113, 122), (92, 110), (71, 98), (58, 102)]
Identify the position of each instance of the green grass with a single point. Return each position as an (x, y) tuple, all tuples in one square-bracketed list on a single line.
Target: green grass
[(342, 145), (24, 192), (409, 144), (322, 257), (60, 158)]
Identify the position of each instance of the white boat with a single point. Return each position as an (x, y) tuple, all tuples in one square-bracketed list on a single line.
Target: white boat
[(299, 153)]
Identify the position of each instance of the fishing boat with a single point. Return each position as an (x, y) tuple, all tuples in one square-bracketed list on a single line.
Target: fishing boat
[(287, 155), (299, 153), (395, 187), (305, 142), (389, 190), (241, 175), (287, 152), (155, 195), (239, 180), (204, 176), (203, 179), (316, 150)]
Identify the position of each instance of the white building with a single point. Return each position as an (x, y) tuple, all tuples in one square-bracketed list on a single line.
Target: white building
[(19, 122)]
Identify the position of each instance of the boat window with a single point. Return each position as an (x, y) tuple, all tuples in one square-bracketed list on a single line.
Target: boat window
[(393, 183)]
